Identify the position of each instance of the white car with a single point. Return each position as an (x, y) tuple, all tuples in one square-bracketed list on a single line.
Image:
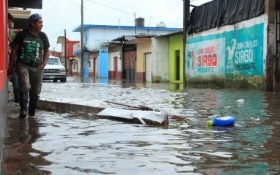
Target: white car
[(54, 70)]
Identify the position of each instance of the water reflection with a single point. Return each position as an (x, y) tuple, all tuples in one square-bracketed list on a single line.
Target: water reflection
[(83, 145), (20, 157), (271, 108), (176, 87)]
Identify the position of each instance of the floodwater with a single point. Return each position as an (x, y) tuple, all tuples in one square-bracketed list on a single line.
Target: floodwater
[(66, 144)]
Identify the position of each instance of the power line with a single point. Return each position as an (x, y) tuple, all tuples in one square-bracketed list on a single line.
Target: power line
[(60, 14), (51, 10), (107, 6), (94, 11), (111, 8), (167, 10)]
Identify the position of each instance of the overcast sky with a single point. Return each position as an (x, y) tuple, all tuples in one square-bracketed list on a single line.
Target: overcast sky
[(66, 14)]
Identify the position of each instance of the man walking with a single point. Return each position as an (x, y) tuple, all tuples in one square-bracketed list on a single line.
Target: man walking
[(14, 78), (31, 47)]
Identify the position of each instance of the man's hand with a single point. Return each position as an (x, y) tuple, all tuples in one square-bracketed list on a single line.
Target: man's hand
[(42, 66), (10, 71)]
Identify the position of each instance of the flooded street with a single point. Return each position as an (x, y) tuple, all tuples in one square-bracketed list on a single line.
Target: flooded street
[(66, 143)]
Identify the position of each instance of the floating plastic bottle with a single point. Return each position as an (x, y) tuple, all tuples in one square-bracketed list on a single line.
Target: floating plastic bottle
[(221, 121)]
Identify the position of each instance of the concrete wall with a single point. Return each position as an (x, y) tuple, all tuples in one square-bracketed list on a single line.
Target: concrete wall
[(3, 118), (230, 56), (142, 49), (272, 84), (175, 44), (160, 59)]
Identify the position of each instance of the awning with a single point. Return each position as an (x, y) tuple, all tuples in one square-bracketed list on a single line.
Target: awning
[(20, 18), (170, 34), (111, 44), (138, 40), (35, 4)]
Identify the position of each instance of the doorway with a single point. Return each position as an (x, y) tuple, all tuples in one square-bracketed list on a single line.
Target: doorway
[(177, 65), (115, 67), (94, 66), (148, 71), (129, 60)]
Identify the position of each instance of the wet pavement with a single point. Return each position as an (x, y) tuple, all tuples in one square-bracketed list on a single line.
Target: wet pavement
[(68, 143)]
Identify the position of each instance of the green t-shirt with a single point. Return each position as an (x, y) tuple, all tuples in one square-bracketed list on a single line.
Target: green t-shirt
[(32, 47)]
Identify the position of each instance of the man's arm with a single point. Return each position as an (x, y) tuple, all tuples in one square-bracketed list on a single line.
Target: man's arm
[(12, 59), (46, 50), (45, 58)]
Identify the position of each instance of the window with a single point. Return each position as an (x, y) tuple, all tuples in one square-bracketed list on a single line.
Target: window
[(53, 61)]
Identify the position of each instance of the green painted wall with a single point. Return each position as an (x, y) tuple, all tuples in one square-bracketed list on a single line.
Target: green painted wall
[(175, 44)]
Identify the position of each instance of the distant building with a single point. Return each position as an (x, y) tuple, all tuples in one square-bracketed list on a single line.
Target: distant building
[(69, 52), (96, 35), (55, 53)]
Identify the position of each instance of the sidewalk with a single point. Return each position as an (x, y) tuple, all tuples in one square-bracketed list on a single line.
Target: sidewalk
[(92, 98)]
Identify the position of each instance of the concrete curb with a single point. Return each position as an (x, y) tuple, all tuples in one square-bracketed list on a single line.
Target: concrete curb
[(84, 109)]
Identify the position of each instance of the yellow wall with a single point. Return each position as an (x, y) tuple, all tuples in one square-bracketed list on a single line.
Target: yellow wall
[(142, 48)]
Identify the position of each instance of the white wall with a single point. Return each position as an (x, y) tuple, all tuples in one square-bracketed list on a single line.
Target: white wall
[(98, 36), (160, 58), (111, 61), (76, 46)]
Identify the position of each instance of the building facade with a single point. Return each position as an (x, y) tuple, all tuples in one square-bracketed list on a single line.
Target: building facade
[(97, 35), (233, 47)]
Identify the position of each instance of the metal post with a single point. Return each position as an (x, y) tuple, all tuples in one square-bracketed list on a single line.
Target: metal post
[(135, 22), (186, 12), (65, 51), (82, 37)]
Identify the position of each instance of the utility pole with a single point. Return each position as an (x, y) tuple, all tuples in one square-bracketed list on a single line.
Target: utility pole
[(65, 51), (186, 13), (119, 27), (135, 22), (82, 37)]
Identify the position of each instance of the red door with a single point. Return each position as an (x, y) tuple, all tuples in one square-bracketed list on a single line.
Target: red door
[(129, 65), (115, 67), (94, 66)]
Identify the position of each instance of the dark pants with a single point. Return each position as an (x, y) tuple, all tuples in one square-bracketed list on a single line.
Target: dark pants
[(14, 79), (29, 80)]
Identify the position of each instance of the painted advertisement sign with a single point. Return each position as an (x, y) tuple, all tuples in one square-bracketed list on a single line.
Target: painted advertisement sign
[(244, 51), (205, 57), (234, 52)]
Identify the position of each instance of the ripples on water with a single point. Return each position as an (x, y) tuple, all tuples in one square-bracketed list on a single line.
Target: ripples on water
[(62, 144)]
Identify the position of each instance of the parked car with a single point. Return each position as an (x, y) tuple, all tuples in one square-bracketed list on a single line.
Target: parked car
[(54, 70)]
